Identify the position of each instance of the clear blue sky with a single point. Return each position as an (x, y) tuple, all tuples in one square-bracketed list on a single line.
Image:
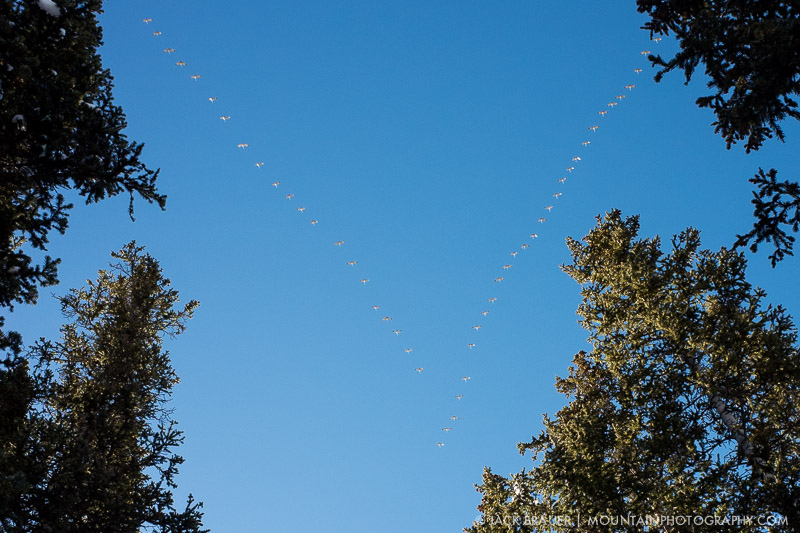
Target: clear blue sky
[(428, 136)]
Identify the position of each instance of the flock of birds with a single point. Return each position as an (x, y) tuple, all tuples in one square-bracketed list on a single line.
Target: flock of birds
[(619, 98)]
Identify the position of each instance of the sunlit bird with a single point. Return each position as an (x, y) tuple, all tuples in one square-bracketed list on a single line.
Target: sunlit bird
[(586, 143), (459, 396), (454, 417), (465, 379), (476, 328), (612, 104), (397, 331), (352, 263), (524, 246), (338, 243), (195, 76), (386, 318), (156, 33), (549, 207), (301, 209), (542, 220), (570, 169), (147, 20), (314, 222), (447, 429), (365, 281), (492, 300), (556, 195), (420, 369), (242, 145), (602, 113), (225, 118), (576, 158), (484, 313), (637, 70), (289, 196), (259, 164), (621, 96), (471, 345), (169, 50), (506, 267), (498, 280), (645, 52), (630, 86), (276, 183), (408, 350), (180, 63), (376, 307), (440, 444), (534, 235), (212, 99), (562, 180), (513, 254), (594, 128), (656, 39)]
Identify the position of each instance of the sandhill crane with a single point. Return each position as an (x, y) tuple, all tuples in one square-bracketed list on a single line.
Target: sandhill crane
[(498, 280), (289, 196), (180, 64), (542, 220), (242, 145), (156, 33), (586, 143), (365, 281), (276, 183), (212, 99), (338, 243), (301, 209), (225, 118), (397, 331), (420, 369), (195, 76), (260, 164), (314, 222), (169, 50)]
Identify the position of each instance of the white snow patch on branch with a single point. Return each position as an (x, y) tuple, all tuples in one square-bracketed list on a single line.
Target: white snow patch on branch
[(50, 7)]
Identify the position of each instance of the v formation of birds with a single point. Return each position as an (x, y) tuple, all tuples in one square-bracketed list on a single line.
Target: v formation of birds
[(352, 263)]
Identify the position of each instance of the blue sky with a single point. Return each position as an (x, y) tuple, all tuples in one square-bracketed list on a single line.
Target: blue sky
[(428, 136)]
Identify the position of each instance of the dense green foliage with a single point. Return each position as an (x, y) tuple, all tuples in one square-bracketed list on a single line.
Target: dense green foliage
[(751, 54), (59, 131), (87, 446), (687, 404)]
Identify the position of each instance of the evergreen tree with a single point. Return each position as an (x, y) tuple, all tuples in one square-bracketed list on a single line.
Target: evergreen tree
[(97, 441), (687, 404), (59, 131), (751, 53)]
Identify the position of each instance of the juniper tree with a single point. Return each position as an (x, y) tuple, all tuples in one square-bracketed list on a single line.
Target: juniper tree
[(100, 436), (751, 53), (687, 403)]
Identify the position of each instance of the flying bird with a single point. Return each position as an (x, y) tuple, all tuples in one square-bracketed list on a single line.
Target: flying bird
[(289, 196), (645, 52), (169, 50), (612, 104), (594, 128), (656, 39), (276, 183), (147, 20), (447, 429), (225, 118), (637, 70), (156, 33), (534, 235), (301, 209), (260, 164), (180, 63), (556, 195), (524, 246), (314, 222), (352, 263), (397, 331), (471, 345), (622, 96), (492, 300), (562, 180), (386, 318), (498, 280), (549, 207), (454, 417), (506, 267), (376, 307), (459, 396), (484, 313), (465, 379), (630, 86), (602, 113), (212, 99), (476, 328), (242, 145), (338, 243), (586, 143), (570, 169), (195, 76), (365, 281), (542, 220), (513, 254), (409, 350), (576, 158), (420, 369), (440, 444)]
